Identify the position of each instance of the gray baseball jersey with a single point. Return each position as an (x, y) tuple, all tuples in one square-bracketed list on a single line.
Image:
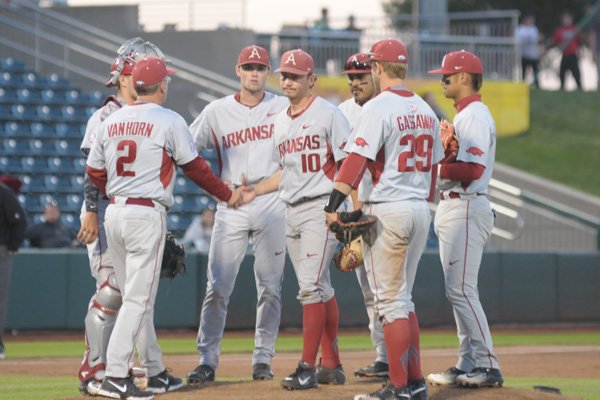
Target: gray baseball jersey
[(242, 137)]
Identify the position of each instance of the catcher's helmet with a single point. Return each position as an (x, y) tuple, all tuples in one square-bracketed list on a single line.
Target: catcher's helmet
[(128, 54)]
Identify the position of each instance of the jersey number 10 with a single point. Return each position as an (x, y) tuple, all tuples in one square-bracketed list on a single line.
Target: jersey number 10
[(311, 163), (418, 155)]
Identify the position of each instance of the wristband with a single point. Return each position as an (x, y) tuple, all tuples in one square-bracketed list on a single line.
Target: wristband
[(336, 198)]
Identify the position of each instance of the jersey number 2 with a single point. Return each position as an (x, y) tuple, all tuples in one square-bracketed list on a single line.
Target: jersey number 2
[(130, 147), (418, 155)]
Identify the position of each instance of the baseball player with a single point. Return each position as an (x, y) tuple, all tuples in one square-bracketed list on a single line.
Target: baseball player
[(395, 147), (240, 128), (464, 220), (133, 162), (105, 303), (358, 69), (309, 137)]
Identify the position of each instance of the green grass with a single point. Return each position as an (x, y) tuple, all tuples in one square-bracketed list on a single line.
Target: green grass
[(293, 343), (563, 142), (28, 387), (588, 389)]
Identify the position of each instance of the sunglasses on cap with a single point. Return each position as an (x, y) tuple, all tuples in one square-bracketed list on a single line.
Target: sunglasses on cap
[(357, 65), (254, 67)]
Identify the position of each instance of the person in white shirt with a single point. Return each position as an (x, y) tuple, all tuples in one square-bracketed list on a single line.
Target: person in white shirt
[(528, 36)]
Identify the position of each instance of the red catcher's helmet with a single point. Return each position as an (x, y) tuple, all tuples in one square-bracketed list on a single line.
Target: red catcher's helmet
[(128, 54)]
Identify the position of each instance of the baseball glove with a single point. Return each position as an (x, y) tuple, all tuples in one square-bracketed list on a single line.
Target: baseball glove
[(449, 141), (351, 225), (350, 257), (173, 262)]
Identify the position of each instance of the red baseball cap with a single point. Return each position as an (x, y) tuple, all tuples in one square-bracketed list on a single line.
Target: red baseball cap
[(150, 71), (254, 54), (459, 61), (389, 50), (358, 64), (297, 62)]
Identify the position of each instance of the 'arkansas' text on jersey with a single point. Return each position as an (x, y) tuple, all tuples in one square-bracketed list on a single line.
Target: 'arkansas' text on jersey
[(130, 129), (412, 121), (247, 135), (299, 144)]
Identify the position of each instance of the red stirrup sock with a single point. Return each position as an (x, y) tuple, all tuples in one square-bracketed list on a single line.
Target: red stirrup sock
[(313, 325), (397, 343), (414, 358), (330, 356)]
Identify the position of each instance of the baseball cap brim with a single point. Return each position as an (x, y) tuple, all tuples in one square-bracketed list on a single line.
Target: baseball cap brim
[(357, 71), (442, 71), (295, 71)]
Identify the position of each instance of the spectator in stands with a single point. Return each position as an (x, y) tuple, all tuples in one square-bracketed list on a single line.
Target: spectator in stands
[(528, 37), (351, 27), (51, 233), (12, 231), (200, 230), (323, 23), (568, 40)]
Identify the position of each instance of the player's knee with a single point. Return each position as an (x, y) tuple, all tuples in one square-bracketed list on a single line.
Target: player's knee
[(108, 297)]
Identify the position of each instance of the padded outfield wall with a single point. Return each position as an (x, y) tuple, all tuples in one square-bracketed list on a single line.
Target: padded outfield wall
[(51, 290)]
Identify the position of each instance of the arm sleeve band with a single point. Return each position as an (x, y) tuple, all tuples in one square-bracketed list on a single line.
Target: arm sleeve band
[(99, 177), (199, 172), (461, 171), (352, 170), (90, 194), (336, 198)]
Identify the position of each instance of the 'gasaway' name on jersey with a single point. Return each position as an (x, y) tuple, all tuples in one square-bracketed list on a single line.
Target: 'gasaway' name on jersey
[(242, 136), (415, 121), (298, 144)]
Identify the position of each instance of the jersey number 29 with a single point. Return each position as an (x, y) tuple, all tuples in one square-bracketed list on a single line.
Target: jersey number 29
[(130, 149), (418, 155)]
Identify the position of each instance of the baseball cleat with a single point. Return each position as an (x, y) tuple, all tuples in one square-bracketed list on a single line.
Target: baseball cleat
[(481, 377), (387, 392), (90, 387), (448, 377), (418, 390), (200, 375), (331, 376), (262, 372), (303, 378), (378, 369), (164, 382), (123, 388)]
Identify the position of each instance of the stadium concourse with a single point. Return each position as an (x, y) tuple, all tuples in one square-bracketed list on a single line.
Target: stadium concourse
[(42, 122)]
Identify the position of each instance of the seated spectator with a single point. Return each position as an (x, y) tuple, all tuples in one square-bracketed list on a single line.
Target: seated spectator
[(51, 233), (200, 230)]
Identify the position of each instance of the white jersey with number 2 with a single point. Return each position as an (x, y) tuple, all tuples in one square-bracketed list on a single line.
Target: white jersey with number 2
[(400, 133)]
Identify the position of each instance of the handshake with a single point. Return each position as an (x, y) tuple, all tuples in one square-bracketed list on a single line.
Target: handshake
[(241, 195)]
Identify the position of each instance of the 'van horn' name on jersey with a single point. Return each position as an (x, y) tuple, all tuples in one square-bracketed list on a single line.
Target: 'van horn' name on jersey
[(415, 121), (242, 136), (130, 129), (299, 144)]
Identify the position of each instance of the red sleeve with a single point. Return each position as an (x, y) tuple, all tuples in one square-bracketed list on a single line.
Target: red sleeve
[(352, 170), (199, 171), (434, 171), (462, 171), (99, 177)]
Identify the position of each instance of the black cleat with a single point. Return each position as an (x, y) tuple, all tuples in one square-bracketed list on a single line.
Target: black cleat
[(200, 375)]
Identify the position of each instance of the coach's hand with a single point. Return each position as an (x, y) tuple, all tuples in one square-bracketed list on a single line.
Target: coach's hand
[(89, 228)]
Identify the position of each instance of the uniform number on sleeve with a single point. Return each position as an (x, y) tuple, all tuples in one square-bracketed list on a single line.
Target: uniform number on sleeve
[(417, 155), (129, 148), (311, 163)]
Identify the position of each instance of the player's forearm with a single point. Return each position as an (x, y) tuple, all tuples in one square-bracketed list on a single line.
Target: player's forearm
[(90, 194), (461, 171), (354, 196), (269, 185), (199, 172), (99, 177)]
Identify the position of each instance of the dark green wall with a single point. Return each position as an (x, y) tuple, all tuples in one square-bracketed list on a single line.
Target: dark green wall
[(51, 290)]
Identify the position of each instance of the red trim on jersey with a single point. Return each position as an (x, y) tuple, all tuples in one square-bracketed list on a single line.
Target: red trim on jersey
[(330, 166), (166, 169), (434, 171), (199, 172), (294, 116), (99, 177), (238, 98), (461, 104), (218, 151), (376, 167), (400, 92), (464, 172), (352, 170)]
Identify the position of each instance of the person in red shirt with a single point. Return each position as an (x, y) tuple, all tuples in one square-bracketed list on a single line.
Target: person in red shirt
[(568, 39)]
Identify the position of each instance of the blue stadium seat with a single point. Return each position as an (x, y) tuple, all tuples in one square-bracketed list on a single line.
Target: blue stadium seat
[(30, 79), (8, 79), (57, 81), (41, 147), (16, 129), (33, 164), (11, 164), (37, 183), (76, 183), (71, 220), (78, 165), (96, 98), (72, 202), (5, 111), (50, 183), (42, 129), (7, 95), (50, 96), (28, 96), (64, 130), (46, 199), (177, 204), (48, 113), (175, 222), (56, 165), (11, 65), (14, 147), (72, 96)]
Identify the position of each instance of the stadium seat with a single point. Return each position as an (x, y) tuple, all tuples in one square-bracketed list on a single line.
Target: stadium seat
[(48, 113), (64, 130), (72, 202), (175, 222), (14, 147), (78, 165), (5, 111), (96, 98), (72, 96), (33, 164), (11, 65), (53, 96), (71, 220), (41, 129), (7, 95), (42, 147), (177, 204), (57, 81), (16, 129), (37, 183), (76, 183), (29, 79), (11, 164), (28, 96), (46, 199), (56, 165), (8, 79), (50, 183)]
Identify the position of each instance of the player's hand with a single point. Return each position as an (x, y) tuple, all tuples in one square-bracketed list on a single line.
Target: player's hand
[(89, 228), (248, 194), (234, 200), (330, 218)]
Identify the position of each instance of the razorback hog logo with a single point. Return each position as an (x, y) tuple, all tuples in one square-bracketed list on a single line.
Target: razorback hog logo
[(475, 151), (254, 53), (360, 142)]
